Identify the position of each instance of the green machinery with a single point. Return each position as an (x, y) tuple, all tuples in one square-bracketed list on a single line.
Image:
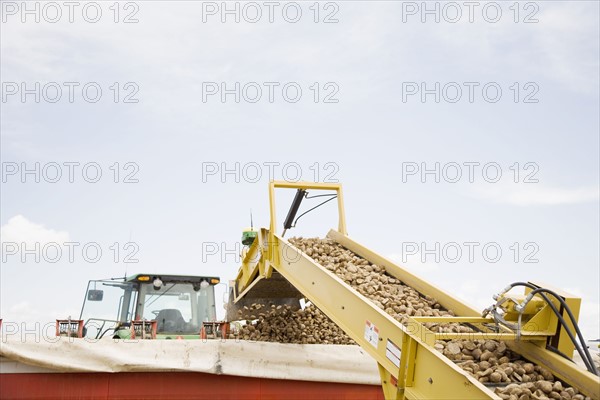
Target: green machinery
[(154, 306)]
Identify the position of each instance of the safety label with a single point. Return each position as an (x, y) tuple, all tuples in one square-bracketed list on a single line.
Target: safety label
[(371, 333), (392, 352)]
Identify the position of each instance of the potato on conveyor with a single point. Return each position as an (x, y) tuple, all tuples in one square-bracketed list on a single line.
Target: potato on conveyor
[(490, 361)]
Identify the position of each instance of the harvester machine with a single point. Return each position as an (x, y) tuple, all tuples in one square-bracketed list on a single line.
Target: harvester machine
[(540, 325)]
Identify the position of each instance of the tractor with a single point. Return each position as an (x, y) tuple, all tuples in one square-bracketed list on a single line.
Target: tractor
[(151, 306)]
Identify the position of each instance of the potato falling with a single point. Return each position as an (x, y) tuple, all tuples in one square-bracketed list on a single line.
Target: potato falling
[(281, 324), (489, 361)]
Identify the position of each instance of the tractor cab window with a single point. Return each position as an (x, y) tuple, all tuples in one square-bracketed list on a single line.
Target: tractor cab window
[(106, 304), (177, 307)]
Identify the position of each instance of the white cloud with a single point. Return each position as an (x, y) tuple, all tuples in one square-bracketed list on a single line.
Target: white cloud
[(534, 194), (19, 229)]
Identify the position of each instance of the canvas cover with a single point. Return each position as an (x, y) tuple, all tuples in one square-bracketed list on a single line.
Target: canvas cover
[(325, 363)]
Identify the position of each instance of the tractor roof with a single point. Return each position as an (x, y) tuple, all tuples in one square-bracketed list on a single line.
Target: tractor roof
[(213, 280)]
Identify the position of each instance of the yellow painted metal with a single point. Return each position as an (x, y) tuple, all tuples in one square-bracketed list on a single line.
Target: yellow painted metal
[(307, 185), (543, 322), (272, 257), (486, 333), (255, 280), (533, 307), (421, 372), (250, 263), (561, 342), (537, 318), (389, 384)]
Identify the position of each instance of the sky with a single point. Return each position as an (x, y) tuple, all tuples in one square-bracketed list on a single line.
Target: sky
[(145, 134)]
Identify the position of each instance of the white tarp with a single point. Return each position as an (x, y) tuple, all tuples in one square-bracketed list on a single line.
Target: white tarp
[(325, 363)]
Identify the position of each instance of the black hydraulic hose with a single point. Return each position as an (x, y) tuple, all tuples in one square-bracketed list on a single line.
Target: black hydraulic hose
[(317, 206), (319, 195), (587, 361), (574, 321), (287, 224), (582, 350), (560, 353), (560, 318)]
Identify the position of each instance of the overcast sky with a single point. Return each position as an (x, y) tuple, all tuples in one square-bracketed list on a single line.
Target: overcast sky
[(196, 111)]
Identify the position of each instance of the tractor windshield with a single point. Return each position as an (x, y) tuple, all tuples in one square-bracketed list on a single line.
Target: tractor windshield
[(177, 307)]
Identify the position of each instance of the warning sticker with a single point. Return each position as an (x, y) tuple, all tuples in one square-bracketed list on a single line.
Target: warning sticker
[(371, 333), (392, 352)]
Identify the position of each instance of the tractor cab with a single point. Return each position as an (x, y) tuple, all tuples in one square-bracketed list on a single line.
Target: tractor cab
[(178, 304)]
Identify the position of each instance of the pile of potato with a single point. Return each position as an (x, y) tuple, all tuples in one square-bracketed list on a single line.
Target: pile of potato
[(282, 324), (539, 390), (489, 361)]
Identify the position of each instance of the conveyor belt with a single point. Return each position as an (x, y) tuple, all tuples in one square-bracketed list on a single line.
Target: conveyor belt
[(409, 365)]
